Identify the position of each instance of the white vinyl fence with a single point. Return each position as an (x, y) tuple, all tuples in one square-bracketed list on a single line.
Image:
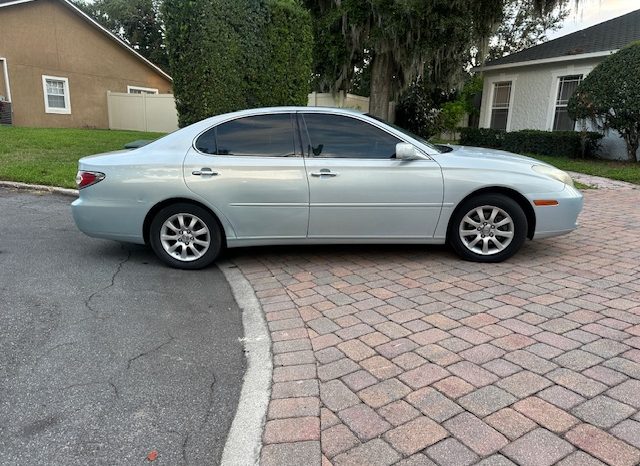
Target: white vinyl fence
[(157, 112), (142, 112), (339, 99)]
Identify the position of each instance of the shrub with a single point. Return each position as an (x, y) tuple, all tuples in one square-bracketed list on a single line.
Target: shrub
[(451, 114), (609, 97), (227, 55), (553, 143), (482, 137), (284, 73), (419, 109)]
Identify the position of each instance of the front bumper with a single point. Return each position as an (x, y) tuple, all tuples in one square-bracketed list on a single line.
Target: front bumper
[(560, 219)]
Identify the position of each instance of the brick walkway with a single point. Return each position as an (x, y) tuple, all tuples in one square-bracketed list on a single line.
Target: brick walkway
[(408, 355)]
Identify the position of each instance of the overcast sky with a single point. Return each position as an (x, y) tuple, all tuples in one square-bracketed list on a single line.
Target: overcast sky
[(590, 12)]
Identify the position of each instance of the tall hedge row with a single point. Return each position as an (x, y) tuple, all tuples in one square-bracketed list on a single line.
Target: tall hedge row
[(226, 55), (287, 61)]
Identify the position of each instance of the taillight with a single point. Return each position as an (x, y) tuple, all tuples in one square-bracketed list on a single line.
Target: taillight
[(84, 178)]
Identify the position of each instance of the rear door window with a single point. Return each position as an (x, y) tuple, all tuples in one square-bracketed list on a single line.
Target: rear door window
[(259, 135)]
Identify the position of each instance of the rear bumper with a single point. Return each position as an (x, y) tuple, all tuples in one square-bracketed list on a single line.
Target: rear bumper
[(109, 220), (560, 219)]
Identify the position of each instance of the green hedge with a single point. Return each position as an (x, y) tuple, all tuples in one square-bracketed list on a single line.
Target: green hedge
[(284, 71), (482, 137), (554, 143), (227, 55)]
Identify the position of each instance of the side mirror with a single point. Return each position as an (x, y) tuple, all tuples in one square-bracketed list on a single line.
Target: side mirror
[(406, 151)]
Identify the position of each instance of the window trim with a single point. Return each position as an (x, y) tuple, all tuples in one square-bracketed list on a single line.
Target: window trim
[(508, 108), (67, 95), (5, 74), (145, 90), (502, 77), (555, 100), (295, 111), (555, 75)]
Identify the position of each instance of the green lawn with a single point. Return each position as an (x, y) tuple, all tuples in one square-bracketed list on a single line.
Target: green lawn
[(623, 171), (50, 156)]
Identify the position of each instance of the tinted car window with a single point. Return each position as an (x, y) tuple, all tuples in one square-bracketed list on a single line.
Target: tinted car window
[(344, 137), (261, 135), (207, 142)]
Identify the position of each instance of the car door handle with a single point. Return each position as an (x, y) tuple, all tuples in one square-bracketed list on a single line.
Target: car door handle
[(324, 172), (204, 172)]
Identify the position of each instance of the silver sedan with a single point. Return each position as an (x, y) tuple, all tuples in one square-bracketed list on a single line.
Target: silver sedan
[(302, 175)]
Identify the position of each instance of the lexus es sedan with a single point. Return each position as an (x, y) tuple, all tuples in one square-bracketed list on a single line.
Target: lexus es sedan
[(304, 175)]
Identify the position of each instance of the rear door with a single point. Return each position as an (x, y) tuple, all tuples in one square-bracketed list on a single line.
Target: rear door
[(251, 170), (358, 189)]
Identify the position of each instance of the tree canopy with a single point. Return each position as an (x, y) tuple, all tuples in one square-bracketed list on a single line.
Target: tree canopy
[(401, 41), (137, 22), (609, 97), (522, 26)]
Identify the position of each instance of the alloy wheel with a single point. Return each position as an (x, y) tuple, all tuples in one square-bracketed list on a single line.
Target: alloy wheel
[(486, 230), (185, 237)]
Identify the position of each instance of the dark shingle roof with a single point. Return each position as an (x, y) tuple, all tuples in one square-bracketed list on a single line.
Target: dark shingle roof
[(610, 35)]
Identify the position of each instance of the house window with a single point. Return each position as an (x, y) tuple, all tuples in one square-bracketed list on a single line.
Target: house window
[(56, 95), (500, 105), (566, 87), (141, 90)]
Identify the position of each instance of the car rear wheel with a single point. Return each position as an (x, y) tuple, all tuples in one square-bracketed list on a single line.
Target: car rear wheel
[(185, 236), (488, 228)]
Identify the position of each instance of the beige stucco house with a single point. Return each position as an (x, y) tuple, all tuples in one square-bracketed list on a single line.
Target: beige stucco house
[(57, 64), (530, 89)]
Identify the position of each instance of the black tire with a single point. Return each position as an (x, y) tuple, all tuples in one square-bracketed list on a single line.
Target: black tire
[(463, 245), (188, 241)]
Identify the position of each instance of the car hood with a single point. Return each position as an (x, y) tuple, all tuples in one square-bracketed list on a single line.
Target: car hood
[(481, 153)]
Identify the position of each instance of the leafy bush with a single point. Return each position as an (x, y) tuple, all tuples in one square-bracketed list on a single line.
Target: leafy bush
[(451, 114), (419, 109), (415, 111), (609, 97), (482, 137), (553, 143), (227, 55)]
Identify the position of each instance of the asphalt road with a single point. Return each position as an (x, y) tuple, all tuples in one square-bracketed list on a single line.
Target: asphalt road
[(105, 354)]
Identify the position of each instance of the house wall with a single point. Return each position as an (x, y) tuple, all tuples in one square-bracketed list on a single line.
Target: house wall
[(48, 38), (534, 90)]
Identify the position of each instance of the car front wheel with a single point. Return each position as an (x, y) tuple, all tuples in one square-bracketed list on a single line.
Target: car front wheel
[(185, 236), (488, 228)]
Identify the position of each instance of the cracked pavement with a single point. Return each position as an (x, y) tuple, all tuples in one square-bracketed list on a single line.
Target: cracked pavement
[(105, 354)]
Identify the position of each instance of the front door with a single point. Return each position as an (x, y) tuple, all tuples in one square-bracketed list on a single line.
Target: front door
[(250, 170), (357, 187)]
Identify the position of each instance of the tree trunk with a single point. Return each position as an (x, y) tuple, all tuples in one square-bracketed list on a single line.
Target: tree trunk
[(632, 138), (381, 76)]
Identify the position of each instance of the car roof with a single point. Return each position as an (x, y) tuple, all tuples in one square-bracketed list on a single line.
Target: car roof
[(272, 110)]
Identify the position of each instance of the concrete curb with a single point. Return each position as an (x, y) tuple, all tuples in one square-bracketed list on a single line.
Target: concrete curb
[(599, 182), (245, 436), (40, 187)]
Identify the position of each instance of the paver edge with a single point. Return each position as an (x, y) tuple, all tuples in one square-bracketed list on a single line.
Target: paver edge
[(244, 440)]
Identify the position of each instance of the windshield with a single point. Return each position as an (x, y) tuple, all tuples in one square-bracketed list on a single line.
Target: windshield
[(408, 133)]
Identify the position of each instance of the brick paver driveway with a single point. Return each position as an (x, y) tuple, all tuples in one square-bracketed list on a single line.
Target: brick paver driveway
[(407, 354)]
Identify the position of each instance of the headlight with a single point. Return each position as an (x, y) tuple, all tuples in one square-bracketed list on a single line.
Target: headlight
[(554, 173)]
